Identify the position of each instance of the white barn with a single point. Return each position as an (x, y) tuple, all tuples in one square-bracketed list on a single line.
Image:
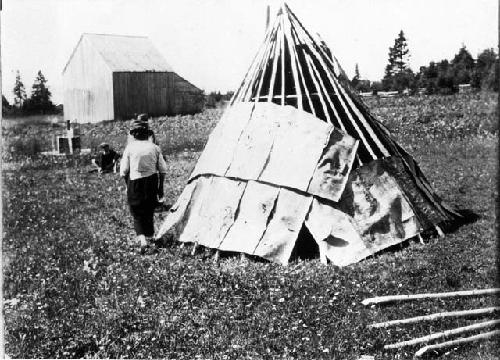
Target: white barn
[(111, 77)]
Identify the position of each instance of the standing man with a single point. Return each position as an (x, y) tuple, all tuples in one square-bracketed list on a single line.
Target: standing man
[(143, 168)]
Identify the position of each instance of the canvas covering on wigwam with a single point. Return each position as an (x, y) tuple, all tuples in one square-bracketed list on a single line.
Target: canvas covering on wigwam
[(297, 149), (259, 181)]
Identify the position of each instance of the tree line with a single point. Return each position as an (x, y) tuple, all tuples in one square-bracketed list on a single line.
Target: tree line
[(442, 77), (39, 101), (216, 97)]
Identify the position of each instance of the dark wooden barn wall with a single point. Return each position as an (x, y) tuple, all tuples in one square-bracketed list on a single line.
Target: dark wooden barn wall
[(188, 98), (154, 93), (142, 92)]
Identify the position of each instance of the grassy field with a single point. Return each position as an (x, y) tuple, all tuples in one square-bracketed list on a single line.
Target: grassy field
[(74, 286)]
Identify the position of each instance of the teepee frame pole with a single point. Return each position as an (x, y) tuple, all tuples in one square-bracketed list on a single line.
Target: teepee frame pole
[(295, 73), (195, 246), (274, 70), (217, 256), (301, 75), (282, 60), (320, 87), (335, 113), (267, 16), (332, 106), (439, 231), (267, 50), (420, 239), (241, 93), (317, 51), (323, 58), (390, 298)]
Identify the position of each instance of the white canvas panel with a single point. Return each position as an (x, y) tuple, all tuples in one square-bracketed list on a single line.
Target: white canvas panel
[(255, 208), (218, 153), (334, 167), (178, 212), (217, 211), (297, 148), (252, 151), (379, 208), (396, 214), (283, 228), (335, 233), (201, 192)]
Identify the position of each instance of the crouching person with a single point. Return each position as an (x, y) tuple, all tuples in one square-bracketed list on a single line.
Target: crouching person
[(143, 168), (106, 160)]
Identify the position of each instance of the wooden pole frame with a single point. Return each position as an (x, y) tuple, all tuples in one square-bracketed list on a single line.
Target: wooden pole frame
[(195, 247)]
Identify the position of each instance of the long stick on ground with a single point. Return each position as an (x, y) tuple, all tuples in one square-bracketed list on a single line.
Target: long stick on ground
[(195, 246), (389, 298), (446, 333), (436, 316), (469, 339)]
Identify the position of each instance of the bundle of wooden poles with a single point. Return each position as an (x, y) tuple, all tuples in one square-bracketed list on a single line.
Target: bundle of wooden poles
[(435, 316)]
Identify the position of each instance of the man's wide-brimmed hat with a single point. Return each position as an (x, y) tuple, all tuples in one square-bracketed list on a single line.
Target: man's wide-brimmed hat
[(139, 125), (142, 117), (104, 145)]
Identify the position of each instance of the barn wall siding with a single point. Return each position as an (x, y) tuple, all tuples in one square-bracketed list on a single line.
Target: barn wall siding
[(154, 93), (142, 92), (87, 84), (188, 98)]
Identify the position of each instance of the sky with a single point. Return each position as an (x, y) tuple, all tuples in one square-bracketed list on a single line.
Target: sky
[(211, 43)]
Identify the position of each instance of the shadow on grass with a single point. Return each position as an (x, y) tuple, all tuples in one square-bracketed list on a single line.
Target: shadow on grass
[(468, 217)]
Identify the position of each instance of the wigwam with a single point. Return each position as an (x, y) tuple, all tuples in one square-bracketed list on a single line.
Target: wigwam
[(297, 152)]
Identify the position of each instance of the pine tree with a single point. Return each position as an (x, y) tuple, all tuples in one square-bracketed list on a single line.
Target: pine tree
[(356, 78), (40, 95), (463, 66), (356, 72), (19, 92), (399, 56), (398, 74)]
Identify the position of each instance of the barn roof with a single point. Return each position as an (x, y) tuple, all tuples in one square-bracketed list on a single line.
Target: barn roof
[(126, 53)]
